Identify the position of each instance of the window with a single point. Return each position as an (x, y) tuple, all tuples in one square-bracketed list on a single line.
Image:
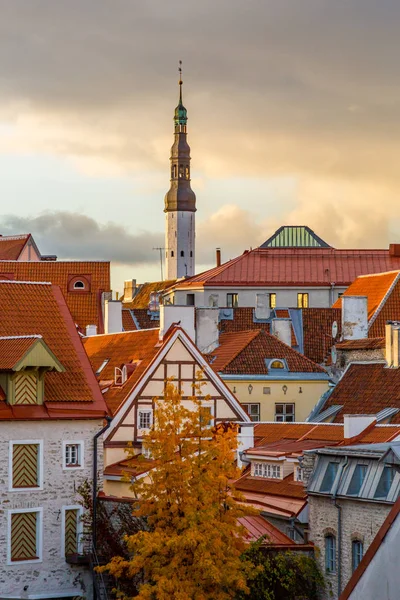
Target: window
[(187, 172), (72, 454), (26, 465), (385, 482), (272, 300), (79, 285), (329, 477), (182, 253), (101, 367), (356, 553), (191, 254), (357, 480), (25, 388), (71, 527), (299, 474), (232, 300), (205, 416), (120, 375), (284, 412), (253, 411), (330, 554), (189, 299), (266, 470), (145, 419), (172, 253), (266, 390), (213, 300), (24, 535), (302, 300), (276, 364)]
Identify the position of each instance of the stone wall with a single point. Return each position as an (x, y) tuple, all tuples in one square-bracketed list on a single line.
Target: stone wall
[(360, 520), (52, 575)]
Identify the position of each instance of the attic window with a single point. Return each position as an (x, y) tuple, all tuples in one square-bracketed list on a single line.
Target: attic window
[(276, 364), (267, 470), (79, 285), (101, 367), (120, 375)]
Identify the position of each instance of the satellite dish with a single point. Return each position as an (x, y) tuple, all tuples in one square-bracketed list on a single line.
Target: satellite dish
[(334, 329), (333, 355)]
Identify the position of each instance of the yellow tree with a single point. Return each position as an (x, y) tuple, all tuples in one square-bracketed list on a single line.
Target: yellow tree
[(193, 547)]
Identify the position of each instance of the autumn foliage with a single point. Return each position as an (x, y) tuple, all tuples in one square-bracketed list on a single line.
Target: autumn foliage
[(193, 544)]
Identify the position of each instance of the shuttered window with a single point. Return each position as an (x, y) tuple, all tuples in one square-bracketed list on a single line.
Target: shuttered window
[(25, 465), (71, 531), (24, 536)]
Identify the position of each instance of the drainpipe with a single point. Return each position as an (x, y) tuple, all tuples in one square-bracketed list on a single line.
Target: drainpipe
[(94, 483), (339, 509), (332, 288)]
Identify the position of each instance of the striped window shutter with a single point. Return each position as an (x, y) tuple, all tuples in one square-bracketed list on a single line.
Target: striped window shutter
[(25, 465), (25, 388), (24, 536), (71, 531)]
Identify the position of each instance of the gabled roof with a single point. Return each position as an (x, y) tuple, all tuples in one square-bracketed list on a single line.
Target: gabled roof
[(11, 246), (85, 306), (137, 348), (39, 309), (139, 318), (383, 293), (142, 297), (363, 344), (273, 267), (366, 388), (16, 352), (246, 352), (294, 236)]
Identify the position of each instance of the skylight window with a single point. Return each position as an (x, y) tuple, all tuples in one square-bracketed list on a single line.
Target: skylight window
[(101, 367), (329, 477), (357, 480)]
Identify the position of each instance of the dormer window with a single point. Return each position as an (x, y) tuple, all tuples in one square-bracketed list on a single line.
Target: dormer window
[(79, 285), (120, 375), (298, 474), (276, 363), (266, 470)]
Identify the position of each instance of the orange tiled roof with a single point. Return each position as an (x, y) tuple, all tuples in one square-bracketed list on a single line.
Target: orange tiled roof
[(138, 318), (29, 309), (134, 347), (137, 465), (142, 297), (12, 349), (85, 307), (245, 353), (128, 324), (366, 389), (243, 320), (363, 344), (375, 287), (11, 246)]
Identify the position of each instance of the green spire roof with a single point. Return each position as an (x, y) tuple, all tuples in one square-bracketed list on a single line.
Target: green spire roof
[(292, 236), (180, 116)]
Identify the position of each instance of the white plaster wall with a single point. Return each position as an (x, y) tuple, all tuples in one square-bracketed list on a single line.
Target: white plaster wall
[(382, 577), (179, 236), (112, 316), (53, 575)]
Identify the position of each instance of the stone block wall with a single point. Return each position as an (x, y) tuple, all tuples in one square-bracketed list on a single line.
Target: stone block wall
[(52, 575)]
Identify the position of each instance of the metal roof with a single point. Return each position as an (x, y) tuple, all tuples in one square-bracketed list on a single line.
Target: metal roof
[(386, 413), (325, 414), (294, 236)]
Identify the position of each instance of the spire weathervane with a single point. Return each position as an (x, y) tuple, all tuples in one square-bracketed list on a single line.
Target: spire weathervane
[(180, 81)]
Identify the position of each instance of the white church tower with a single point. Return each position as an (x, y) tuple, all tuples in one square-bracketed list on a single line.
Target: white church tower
[(180, 203)]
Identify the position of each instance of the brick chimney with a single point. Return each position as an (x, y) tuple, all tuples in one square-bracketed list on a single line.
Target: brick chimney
[(218, 256)]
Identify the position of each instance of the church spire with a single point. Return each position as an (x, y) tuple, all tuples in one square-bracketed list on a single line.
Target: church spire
[(180, 200)]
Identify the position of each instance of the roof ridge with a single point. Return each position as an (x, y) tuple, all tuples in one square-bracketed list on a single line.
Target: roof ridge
[(25, 282), (20, 337), (120, 332), (385, 297), (378, 274)]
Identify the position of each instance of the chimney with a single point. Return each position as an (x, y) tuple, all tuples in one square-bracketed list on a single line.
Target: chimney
[(129, 290), (282, 329), (392, 334), (394, 250), (218, 256), (356, 424), (262, 310), (207, 332), (245, 440), (112, 316), (183, 316), (354, 317), (91, 330)]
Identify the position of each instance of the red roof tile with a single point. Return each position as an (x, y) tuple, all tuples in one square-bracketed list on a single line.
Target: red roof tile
[(296, 266), (13, 349), (375, 287), (12, 246), (142, 296), (134, 347), (363, 344), (276, 487), (366, 389), (85, 307), (245, 353), (29, 309)]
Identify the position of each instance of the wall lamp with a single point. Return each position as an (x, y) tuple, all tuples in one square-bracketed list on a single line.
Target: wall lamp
[(284, 388), (250, 388)]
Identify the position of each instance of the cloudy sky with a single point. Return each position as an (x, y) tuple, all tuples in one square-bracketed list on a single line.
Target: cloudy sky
[(294, 118)]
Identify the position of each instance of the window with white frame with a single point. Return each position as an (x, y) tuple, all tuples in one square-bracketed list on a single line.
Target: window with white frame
[(267, 470), (299, 473), (25, 467), (24, 542), (73, 454), (284, 412), (253, 410), (71, 530), (357, 552), (145, 417), (330, 553)]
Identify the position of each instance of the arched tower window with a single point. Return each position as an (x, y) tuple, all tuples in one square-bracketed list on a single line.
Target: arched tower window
[(182, 253), (180, 171), (187, 172), (172, 253)]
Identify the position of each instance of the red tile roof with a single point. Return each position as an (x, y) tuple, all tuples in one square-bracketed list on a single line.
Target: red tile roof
[(13, 349), (128, 324), (85, 306), (243, 320), (134, 347), (137, 465), (12, 246), (29, 309), (142, 296), (363, 344), (375, 287), (245, 353), (366, 389), (317, 331), (295, 266), (275, 487)]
